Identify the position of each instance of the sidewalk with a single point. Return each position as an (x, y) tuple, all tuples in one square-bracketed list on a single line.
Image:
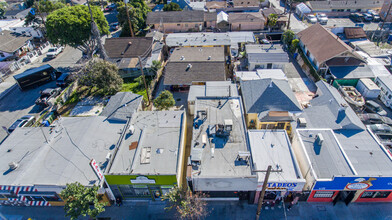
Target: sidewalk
[(220, 210)]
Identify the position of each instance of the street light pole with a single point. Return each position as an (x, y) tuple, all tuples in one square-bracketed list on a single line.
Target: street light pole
[(261, 198)]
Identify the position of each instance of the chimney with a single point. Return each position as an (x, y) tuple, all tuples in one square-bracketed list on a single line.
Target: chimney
[(188, 67), (13, 165), (270, 85)]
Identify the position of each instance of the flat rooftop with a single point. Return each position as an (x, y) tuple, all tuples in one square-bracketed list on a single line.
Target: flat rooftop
[(272, 147), (154, 146), (213, 89), (215, 152), (208, 39), (328, 159), (198, 54), (64, 157), (261, 74)]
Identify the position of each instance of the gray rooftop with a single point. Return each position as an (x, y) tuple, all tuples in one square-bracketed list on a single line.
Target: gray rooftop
[(346, 4), (329, 110), (121, 106), (328, 159), (261, 74), (213, 89), (156, 141), (72, 143), (218, 155), (266, 53), (351, 72), (272, 147), (387, 80), (268, 95), (208, 39), (200, 54)]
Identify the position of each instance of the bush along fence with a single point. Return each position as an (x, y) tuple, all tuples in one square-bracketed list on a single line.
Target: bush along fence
[(312, 70)]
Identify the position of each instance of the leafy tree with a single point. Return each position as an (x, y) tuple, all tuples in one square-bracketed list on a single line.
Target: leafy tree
[(272, 19), (42, 8), (156, 65), (3, 8), (165, 100), (294, 45), (172, 7), (71, 26), (102, 75), (78, 200), (287, 37), (187, 204), (138, 10)]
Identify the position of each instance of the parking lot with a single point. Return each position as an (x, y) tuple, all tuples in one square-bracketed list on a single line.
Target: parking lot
[(346, 22)]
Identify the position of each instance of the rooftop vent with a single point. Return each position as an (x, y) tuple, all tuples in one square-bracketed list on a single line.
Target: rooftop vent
[(159, 151), (209, 57), (319, 139), (129, 43), (108, 156), (182, 58), (131, 129), (13, 165), (188, 67), (301, 122), (243, 156)]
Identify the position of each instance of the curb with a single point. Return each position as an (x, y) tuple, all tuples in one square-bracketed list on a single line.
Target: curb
[(5, 92)]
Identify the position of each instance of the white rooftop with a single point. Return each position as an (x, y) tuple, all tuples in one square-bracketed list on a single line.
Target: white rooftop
[(261, 74), (208, 39)]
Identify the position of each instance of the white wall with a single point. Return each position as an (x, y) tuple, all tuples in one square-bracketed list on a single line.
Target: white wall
[(385, 94), (224, 183)]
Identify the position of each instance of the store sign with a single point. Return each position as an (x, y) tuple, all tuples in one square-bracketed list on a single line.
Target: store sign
[(96, 169), (355, 183), (143, 179), (291, 186)]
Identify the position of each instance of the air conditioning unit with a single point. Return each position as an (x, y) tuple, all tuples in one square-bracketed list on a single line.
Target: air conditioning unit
[(301, 122), (319, 139)]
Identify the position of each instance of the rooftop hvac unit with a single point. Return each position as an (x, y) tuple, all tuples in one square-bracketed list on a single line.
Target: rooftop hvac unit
[(131, 129), (319, 139), (243, 156), (301, 122)]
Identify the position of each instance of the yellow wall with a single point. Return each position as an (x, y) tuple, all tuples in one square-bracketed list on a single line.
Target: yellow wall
[(252, 122)]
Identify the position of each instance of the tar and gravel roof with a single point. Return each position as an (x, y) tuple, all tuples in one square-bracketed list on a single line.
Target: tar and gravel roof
[(213, 89), (209, 39), (158, 131)]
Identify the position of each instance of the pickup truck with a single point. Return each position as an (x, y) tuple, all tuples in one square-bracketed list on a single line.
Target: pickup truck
[(47, 95), (54, 51)]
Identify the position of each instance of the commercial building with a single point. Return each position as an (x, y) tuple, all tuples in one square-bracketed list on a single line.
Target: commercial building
[(272, 147), (149, 160), (266, 56), (220, 162)]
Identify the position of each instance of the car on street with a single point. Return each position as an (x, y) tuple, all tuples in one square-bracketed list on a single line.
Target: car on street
[(54, 51), (24, 121), (47, 95), (356, 17), (376, 18), (63, 80), (322, 18), (373, 107), (114, 26), (110, 7), (367, 17), (311, 19)]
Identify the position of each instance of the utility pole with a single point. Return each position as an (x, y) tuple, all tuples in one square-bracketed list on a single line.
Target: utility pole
[(382, 25), (96, 34), (129, 19), (288, 23), (261, 198), (144, 80)]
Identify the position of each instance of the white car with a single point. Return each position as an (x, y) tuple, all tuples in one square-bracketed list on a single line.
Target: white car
[(311, 19), (54, 51), (322, 18)]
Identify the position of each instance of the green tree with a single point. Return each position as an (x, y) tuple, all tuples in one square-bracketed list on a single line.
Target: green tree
[(71, 26), (3, 8), (187, 204), (172, 7), (272, 19), (165, 100), (287, 37), (102, 75), (138, 10), (42, 8), (294, 45), (156, 65), (78, 200)]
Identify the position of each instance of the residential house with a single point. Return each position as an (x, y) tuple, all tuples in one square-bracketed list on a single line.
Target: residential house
[(212, 6), (344, 8), (210, 89), (189, 5), (181, 21), (14, 44), (246, 3), (266, 56), (281, 22), (273, 147), (125, 53), (341, 159), (150, 156), (121, 105), (247, 21), (220, 159), (385, 84), (17, 13), (269, 104), (38, 163), (195, 65), (333, 52)]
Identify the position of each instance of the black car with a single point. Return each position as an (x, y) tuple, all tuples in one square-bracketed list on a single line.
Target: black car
[(357, 17), (63, 80), (47, 95)]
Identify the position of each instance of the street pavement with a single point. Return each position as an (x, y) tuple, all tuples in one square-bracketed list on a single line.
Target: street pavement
[(218, 210)]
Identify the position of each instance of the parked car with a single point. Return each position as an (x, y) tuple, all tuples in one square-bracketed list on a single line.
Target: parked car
[(373, 107), (372, 12), (356, 17), (376, 18), (387, 120), (110, 7), (381, 129), (322, 18), (311, 19), (371, 118), (63, 80), (54, 51), (47, 95), (24, 121), (367, 17), (114, 26)]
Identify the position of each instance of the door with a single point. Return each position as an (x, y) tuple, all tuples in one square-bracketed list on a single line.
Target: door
[(349, 197), (155, 192), (337, 198), (269, 66)]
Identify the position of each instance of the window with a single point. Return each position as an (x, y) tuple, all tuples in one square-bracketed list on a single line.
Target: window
[(178, 25), (53, 198), (323, 194), (375, 194), (35, 198), (133, 191), (141, 190)]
